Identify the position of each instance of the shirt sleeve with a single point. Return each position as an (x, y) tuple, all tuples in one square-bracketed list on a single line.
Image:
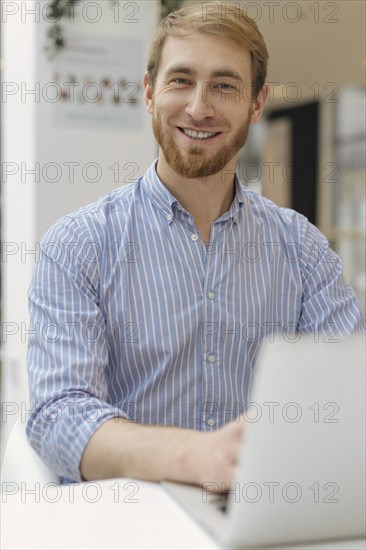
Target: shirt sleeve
[(329, 305), (67, 353)]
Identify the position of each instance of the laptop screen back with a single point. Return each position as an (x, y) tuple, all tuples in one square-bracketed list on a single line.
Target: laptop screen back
[(301, 473)]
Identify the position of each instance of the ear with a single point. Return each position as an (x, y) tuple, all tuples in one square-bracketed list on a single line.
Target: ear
[(259, 104), (148, 95)]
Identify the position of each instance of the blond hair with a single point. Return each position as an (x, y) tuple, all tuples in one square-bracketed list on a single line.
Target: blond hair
[(220, 18)]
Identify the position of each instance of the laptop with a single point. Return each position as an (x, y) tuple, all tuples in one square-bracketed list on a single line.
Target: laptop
[(301, 469)]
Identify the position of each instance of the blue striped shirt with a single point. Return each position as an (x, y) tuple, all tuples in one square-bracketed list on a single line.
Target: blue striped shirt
[(134, 316)]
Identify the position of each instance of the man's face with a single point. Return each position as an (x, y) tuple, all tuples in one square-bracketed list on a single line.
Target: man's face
[(203, 85)]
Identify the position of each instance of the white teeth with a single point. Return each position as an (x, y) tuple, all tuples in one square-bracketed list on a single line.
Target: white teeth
[(198, 135)]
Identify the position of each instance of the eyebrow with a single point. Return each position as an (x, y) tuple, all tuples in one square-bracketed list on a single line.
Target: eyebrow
[(229, 73)]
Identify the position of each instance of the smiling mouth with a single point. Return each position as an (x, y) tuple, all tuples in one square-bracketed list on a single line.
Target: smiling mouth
[(198, 135)]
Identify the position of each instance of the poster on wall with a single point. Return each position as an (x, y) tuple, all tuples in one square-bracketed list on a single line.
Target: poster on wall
[(100, 83)]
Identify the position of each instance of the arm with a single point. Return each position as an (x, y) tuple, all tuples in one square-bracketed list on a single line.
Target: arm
[(125, 449), (67, 353), (330, 306)]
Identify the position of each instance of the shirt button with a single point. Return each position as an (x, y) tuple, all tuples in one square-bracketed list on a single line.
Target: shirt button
[(210, 422), (169, 218), (211, 295), (194, 237), (211, 358), (235, 219)]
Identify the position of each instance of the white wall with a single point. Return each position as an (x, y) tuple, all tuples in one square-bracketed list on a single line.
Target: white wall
[(30, 135), (104, 146)]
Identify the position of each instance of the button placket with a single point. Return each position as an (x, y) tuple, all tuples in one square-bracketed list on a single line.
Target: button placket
[(209, 343)]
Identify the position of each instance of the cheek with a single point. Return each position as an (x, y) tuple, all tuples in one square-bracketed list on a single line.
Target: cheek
[(241, 116), (166, 95), (170, 98), (166, 107)]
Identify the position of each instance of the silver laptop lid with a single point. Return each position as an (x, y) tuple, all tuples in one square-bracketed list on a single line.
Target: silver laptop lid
[(301, 473)]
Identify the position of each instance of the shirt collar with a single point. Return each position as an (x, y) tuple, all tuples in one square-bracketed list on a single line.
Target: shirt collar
[(166, 202)]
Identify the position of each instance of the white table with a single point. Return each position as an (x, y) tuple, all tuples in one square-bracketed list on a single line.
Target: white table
[(110, 514)]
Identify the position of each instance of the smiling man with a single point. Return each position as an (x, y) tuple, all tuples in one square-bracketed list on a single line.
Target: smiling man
[(149, 372), (203, 101), (199, 118)]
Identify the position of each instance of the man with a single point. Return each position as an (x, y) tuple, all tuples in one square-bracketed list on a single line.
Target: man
[(157, 297)]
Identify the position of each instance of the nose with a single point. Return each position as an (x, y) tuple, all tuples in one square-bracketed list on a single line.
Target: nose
[(199, 105)]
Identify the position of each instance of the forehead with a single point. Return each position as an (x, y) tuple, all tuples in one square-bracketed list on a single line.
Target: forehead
[(204, 53)]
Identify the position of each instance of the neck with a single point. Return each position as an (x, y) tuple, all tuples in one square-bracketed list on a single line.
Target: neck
[(207, 198)]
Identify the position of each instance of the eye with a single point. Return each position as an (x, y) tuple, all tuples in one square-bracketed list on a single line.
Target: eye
[(225, 86), (180, 81)]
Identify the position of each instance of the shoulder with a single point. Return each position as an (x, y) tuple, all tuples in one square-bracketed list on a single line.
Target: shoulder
[(80, 240), (291, 232), (282, 220), (95, 220)]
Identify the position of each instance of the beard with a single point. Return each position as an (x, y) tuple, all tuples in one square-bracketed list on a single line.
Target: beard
[(195, 162)]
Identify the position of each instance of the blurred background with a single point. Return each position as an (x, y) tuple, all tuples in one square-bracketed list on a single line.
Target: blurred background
[(74, 127)]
